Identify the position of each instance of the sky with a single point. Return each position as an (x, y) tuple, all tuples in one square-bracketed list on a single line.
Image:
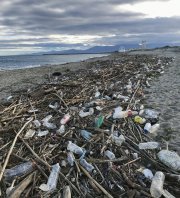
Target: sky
[(28, 26)]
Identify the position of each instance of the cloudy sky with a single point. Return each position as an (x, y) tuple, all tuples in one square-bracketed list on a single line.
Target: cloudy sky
[(42, 25)]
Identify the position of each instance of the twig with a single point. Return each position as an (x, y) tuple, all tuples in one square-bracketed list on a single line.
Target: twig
[(12, 146)]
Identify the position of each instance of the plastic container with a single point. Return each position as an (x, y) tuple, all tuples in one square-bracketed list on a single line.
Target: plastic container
[(154, 128), (19, 170), (99, 121), (83, 114), (109, 154), (147, 173), (89, 167), (149, 113), (139, 120), (156, 188), (149, 145), (86, 135), (170, 159), (52, 180), (118, 140), (65, 119), (42, 133), (74, 148), (147, 127), (70, 158), (61, 130)]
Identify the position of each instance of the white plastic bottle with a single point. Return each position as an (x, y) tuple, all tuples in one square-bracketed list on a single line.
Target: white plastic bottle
[(149, 145), (109, 154), (89, 167), (170, 159), (147, 127), (154, 128), (156, 188), (74, 148)]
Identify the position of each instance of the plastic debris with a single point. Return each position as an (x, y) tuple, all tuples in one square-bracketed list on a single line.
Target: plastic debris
[(89, 167), (30, 133), (118, 140), (99, 121), (52, 180), (19, 170), (65, 119), (83, 114), (86, 135), (156, 188), (109, 154), (139, 120), (61, 130), (42, 133), (149, 145), (74, 148), (170, 159)]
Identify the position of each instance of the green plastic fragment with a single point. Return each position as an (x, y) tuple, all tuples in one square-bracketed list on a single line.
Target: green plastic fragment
[(99, 121)]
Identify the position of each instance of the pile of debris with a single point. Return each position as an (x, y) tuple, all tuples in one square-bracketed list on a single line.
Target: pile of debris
[(88, 134)]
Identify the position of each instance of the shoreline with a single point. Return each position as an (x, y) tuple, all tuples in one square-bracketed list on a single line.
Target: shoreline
[(19, 79)]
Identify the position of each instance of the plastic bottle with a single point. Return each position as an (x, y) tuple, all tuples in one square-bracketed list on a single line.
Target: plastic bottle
[(19, 170), (149, 113), (89, 167), (147, 173), (86, 135), (74, 148), (99, 121), (118, 140), (65, 119), (42, 133), (156, 188), (83, 114), (52, 180), (147, 127), (61, 130), (170, 159), (154, 128), (109, 154), (139, 120), (149, 145), (70, 158), (123, 114)]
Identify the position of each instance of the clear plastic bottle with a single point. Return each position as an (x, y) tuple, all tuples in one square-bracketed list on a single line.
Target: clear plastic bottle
[(156, 188), (74, 148), (89, 167), (19, 170), (147, 127), (86, 135), (154, 128), (109, 154), (70, 158), (170, 159), (149, 145), (52, 180), (83, 114), (118, 140), (65, 119)]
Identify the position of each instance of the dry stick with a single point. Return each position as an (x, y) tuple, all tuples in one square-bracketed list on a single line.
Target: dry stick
[(95, 182), (36, 156), (137, 87), (12, 146)]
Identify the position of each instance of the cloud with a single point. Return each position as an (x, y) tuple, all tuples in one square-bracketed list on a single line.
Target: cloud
[(64, 24)]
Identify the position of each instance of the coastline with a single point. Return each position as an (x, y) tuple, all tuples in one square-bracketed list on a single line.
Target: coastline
[(21, 79)]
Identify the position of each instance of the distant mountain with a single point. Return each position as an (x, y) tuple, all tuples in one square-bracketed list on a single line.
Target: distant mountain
[(94, 50)]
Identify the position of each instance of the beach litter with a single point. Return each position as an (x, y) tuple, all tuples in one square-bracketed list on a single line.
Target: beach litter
[(88, 134)]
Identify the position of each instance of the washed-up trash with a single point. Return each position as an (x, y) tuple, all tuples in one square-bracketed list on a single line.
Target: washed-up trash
[(52, 180), (86, 135), (99, 121), (19, 170), (70, 158), (146, 172), (30, 133), (118, 140), (170, 159), (147, 127), (33, 110), (154, 128), (47, 124), (83, 114), (97, 94), (61, 130), (37, 123), (109, 154), (65, 119), (74, 148), (156, 188), (139, 120), (125, 98), (89, 167), (66, 192), (149, 145), (42, 133), (55, 106), (149, 113)]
